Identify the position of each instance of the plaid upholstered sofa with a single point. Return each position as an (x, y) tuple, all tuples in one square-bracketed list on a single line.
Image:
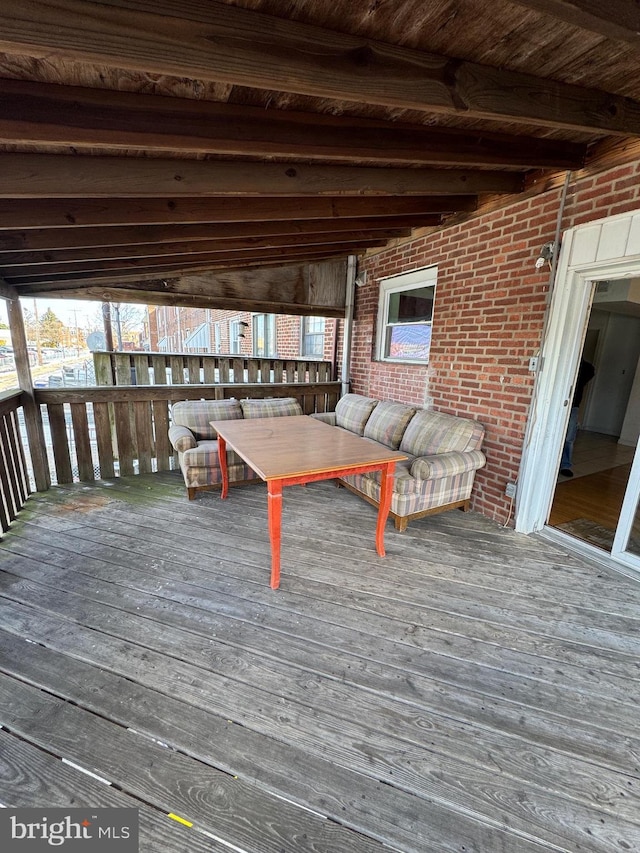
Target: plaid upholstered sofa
[(443, 455), (196, 442)]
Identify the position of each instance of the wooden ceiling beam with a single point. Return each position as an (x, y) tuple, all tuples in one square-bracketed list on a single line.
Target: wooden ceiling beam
[(16, 214), (220, 42), (21, 272), (40, 282), (67, 176), (37, 113), (52, 239), (13, 260), (616, 19), (298, 288), (7, 291), (138, 295)]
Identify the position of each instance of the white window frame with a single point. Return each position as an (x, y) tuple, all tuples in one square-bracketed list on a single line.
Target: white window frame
[(425, 277), (268, 322), (305, 335), (235, 330)]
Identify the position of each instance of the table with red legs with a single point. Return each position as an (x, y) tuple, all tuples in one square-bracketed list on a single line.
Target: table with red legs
[(289, 451)]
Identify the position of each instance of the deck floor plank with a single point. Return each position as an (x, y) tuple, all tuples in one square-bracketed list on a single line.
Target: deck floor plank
[(403, 821), (29, 774), (474, 690)]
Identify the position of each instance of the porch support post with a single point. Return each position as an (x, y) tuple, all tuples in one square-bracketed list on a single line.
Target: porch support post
[(347, 337), (32, 414)]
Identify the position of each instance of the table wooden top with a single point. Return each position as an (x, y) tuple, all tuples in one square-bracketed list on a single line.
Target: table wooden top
[(296, 445)]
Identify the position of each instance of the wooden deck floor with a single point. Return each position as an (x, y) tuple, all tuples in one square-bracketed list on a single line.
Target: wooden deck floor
[(476, 691)]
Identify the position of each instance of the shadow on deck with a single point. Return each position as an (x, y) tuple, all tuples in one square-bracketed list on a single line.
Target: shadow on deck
[(476, 690)]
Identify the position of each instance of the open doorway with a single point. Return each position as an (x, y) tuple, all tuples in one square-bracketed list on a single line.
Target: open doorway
[(588, 499)]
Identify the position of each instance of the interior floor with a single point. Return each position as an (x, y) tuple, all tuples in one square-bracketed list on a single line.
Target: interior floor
[(588, 505), (595, 451)]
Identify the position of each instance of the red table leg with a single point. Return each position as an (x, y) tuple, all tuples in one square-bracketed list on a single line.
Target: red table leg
[(274, 510), (222, 459), (386, 487)]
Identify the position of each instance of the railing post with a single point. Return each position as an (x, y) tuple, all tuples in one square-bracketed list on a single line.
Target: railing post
[(32, 413)]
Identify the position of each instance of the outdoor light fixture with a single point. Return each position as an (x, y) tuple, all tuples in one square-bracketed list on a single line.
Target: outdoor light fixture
[(546, 255)]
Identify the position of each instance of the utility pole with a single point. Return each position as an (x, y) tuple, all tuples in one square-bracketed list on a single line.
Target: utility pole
[(75, 317), (37, 322), (116, 310), (108, 331)]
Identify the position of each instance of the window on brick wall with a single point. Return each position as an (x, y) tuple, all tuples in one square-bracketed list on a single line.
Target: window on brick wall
[(235, 331), (313, 336), (264, 334), (405, 316)]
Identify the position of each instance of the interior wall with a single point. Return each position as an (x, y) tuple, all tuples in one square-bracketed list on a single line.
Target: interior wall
[(489, 316), (630, 431), (616, 360)]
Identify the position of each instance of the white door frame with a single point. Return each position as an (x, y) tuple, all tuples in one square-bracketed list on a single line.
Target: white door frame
[(602, 250)]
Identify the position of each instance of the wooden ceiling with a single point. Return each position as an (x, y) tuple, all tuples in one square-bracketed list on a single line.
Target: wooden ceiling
[(150, 148)]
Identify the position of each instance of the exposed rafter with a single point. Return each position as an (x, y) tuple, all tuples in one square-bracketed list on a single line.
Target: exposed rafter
[(12, 262), (85, 118), (615, 19), (39, 240), (58, 176), (307, 288), (17, 273), (60, 213), (7, 291), (218, 42)]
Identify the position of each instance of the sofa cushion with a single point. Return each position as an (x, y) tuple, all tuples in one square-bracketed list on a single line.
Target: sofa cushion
[(387, 423), (205, 455), (447, 464), (353, 411), (182, 438), (430, 433), (197, 414), (325, 417), (273, 407)]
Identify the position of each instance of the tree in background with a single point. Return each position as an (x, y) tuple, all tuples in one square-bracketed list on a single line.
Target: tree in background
[(50, 329), (29, 324), (126, 320)]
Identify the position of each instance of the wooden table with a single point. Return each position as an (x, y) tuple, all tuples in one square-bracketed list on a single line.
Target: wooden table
[(289, 451)]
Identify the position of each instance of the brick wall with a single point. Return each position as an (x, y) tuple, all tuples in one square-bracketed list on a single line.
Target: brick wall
[(488, 316), (176, 323)]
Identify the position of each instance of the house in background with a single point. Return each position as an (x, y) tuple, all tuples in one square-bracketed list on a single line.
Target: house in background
[(215, 331)]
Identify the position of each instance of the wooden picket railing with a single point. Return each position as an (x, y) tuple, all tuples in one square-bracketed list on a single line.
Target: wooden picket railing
[(99, 433), (14, 479), (143, 368)]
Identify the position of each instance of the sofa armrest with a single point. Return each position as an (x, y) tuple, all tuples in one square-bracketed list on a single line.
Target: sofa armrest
[(447, 464), (182, 438), (325, 417)]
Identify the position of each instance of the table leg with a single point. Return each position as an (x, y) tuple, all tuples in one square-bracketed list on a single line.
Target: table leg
[(274, 508), (386, 488), (222, 460)]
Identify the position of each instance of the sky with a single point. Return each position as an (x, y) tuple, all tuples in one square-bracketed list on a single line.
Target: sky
[(67, 310)]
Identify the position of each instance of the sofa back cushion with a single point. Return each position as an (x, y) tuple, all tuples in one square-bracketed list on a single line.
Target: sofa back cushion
[(352, 412), (387, 423), (274, 407), (196, 414), (429, 433)]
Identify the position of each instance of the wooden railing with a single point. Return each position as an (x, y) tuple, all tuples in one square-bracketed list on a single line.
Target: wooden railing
[(99, 433), (14, 479), (142, 368)]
